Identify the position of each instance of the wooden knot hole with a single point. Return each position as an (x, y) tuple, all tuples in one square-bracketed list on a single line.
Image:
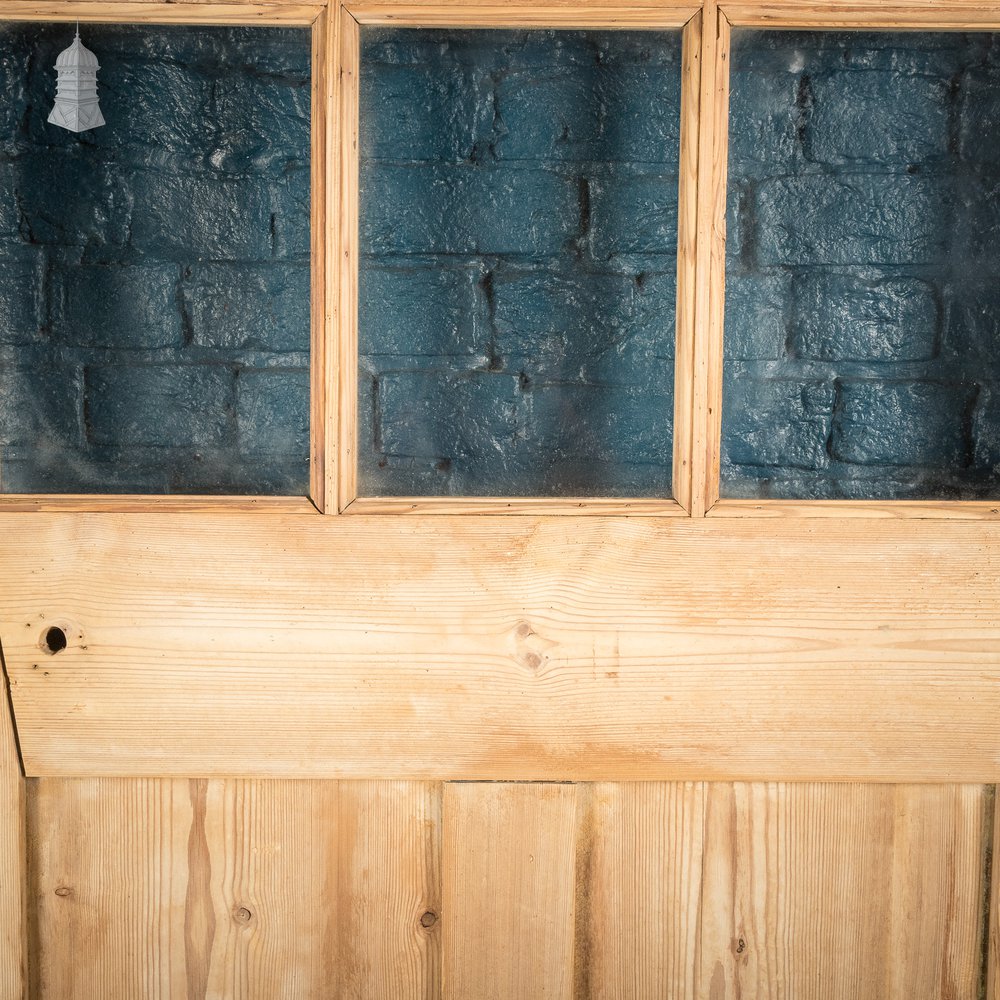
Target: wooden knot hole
[(428, 919), (54, 640), (64, 891), (243, 915)]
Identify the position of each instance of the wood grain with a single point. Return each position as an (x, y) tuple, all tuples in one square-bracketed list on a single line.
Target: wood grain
[(823, 892), (943, 509), (710, 261), (687, 254), (13, 926), (346, 278), (992, 956), (270, 12), (509, 891), (88, 503), (244, 889), (638, 876), (493, 647), (950, 15), (523, 14), (551, 506)]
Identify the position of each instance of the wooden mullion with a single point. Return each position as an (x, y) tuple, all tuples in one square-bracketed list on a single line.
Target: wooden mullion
[(13, 856), (947, 15), (346, 279), (274, 12)]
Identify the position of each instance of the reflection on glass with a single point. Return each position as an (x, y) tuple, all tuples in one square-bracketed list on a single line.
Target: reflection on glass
[(863, 258), (518, 270)]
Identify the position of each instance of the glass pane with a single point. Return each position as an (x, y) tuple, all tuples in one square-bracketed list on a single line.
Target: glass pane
[(154, 272), (518, 262), (863, 301)]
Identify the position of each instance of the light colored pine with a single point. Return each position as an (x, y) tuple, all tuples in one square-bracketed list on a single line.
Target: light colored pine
[(948, 15), (269, 12), (109, 503), (638, 876), (687, 253), (389, 926), (324, 200), (13, 925), (993, 942), (523, 14), (346, 279), (930, 509), (820, 892), (552, 506), (509, 891), (504, 648)]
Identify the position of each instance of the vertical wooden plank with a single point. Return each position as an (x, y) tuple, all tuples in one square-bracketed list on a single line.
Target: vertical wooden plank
[(509, 889), (347, 256), (687, 249), (638, 890), (323, 388), (992, 956), (13, 913), (390, 890), (108, 874), (711, 259), (826, 891)]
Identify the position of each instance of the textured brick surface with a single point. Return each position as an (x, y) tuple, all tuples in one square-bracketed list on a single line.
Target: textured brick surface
[(863, 267), (519, 242), (154, 273)]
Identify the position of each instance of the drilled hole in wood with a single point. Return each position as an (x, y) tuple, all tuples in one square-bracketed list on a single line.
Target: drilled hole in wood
[(54, 640)]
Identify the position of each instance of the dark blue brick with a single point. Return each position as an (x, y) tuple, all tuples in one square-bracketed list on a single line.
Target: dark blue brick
[(776, 421), (903, 423), (764, 116), (843, 317), (22, 301), (272, 412), (980, 117), (633, 215), (239, 307), (467, 209), (432, 310), (853, 219), (40, 406), (757, 314), (878, 117), (162, 406), (113, 306)]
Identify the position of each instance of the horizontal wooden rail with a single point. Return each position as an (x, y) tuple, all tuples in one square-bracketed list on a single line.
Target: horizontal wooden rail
[(493, 647)]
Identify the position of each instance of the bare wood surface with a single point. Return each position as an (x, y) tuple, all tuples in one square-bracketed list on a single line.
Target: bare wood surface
[(970, 510), (491, 647), (554, 506), (823, 892), (84, 503), (946, 16), (348, 84), (992, 874), (509, 891), (389, 926), (687, 252), (638, 876), (242, 889), (523, 14), (711, 260), (271, 12), (13, 927), (323, 249)]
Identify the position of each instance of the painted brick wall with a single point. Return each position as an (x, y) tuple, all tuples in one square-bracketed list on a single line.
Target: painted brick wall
[(863, 271), (154, 273), (519, 244)]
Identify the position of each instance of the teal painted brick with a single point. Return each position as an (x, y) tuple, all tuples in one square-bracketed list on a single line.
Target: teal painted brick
[(40, 406), (903, 423), (113, 306), (765, 115), (757, 313), (161, 406), (272, 412), (633, 215), (853, 317), (22, 301)]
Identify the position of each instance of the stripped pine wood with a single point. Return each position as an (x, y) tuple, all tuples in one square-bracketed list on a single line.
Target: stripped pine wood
[(323, 251), (638, 877), (946, 16), (937, 509), (992, 949), (509, 891), (710, 261), (552, 506), (270, 12), (522, 14), (346, 386), (141, 503), (822, 892), (13, 926), (242, 889), (687, 252), (389, 925), (492, 647)]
